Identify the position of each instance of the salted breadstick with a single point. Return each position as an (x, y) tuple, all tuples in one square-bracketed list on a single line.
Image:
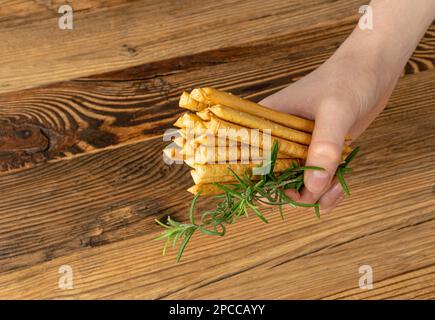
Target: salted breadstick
[(190, 120), (205, 180), (182, 132), (204, 114), (179, 141), (182, 142), (212, 96), (220, 143), (219, 172), (173, 154), (187, 102), (205, 189), (292, 149), (251, 121), (205, 154), (191, 163), (212, 140)]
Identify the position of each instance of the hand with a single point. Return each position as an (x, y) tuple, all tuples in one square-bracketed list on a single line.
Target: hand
[(348, 91), (343, 96)]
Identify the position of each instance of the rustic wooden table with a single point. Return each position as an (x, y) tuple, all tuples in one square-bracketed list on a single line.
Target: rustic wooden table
[(82, 179)]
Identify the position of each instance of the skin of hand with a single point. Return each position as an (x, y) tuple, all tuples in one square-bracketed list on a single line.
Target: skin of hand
[(346, 93)]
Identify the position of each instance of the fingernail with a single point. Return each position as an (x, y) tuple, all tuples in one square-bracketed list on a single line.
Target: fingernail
[(339, 199), (336, 191), (293, 194), (317, 180)]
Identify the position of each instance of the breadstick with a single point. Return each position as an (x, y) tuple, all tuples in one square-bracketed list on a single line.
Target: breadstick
[(292, 149), (190, 120), (187, 102), (201, 154), (212, 140), (220, 173), (205, 189), (251, 121), (204, 114), (212, 96), (173, 154), (220, 142), (179, 141)]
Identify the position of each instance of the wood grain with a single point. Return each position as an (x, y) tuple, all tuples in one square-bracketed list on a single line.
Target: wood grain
[(82, 177), (138, 32), (95, 212), (118, 108)]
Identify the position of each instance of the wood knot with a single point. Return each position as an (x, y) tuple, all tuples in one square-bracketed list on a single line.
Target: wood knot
[(130, 50), (22, 138)]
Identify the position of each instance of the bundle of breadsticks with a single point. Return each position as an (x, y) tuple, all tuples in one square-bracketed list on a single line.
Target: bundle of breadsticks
[(210, 111)]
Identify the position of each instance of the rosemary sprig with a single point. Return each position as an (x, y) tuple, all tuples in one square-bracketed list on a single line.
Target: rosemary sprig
[(243, 196)]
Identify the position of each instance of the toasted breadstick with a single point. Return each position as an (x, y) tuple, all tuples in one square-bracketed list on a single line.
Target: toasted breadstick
[(251, 121), (190, 120), (211, 140), (220, 172), (173, 154), (200, 181), (179, 141), (205, 189), (187, 102), (212, 96), (205, 154), (204, 114), (184, 143), (292, 149), (218, 142)]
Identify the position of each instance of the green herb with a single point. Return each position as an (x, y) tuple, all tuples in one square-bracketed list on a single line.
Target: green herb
[(243, 196)]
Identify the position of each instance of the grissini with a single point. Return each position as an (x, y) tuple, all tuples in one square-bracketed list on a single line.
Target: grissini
[(211, 96), (187, 102), (190, 120), (292, 149), (205, 189), (203, 174), (251, 121), (218, 142), (212, 140), (173, 154), (201, 154), (204, 114), (179, 141), (255, 122)]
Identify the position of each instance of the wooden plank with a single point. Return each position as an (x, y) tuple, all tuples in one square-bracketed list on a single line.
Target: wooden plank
[(35, 51), (15, 13), (96, 212), (302, 258), (72, 118)]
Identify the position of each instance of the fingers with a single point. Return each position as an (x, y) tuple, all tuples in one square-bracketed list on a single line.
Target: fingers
[(293, 194), (331, 126), (331, 198), (328, 200), (291, 99)]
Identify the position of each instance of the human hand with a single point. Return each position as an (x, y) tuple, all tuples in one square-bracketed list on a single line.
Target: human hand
[(347, 92), (343, 96)]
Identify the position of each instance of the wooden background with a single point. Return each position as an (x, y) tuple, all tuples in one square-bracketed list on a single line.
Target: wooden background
[(82, 114)]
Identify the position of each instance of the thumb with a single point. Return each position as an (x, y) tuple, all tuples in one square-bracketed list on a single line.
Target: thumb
[(332, 123)]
